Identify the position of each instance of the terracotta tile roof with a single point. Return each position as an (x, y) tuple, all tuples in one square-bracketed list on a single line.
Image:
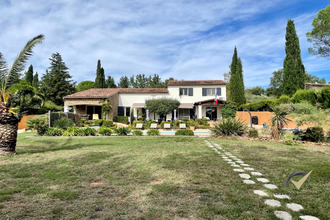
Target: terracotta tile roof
[(196, 82), (317, 84), (106, 93)]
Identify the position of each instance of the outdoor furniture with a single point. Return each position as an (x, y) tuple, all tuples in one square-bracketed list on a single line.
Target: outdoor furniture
[(95, 116), (183, 126), (167, 126), (153, 126), (138, 125)]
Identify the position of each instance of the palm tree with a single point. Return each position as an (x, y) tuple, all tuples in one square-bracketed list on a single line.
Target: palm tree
[(8, 118), (278, 122)]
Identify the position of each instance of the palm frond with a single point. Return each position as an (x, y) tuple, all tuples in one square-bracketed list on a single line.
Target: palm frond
[(3, 69), (20, 61)]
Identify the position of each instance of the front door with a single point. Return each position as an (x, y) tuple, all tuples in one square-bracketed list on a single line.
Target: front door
[(211, 113)]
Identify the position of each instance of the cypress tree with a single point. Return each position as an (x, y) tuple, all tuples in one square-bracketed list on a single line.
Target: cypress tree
[(100, 77), (236, 88), (294, 70), (29, 75), (35, 82)]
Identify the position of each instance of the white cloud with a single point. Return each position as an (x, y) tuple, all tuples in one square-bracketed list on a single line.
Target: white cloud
[(180, 39)]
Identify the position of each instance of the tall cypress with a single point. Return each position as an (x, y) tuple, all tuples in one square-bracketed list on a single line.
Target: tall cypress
[(29, 75), (236, 88), (294, 70), (35, 82), (100, 77)]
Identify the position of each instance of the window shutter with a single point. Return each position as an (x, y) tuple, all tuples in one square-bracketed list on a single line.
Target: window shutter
[(204, 92), (219, 91), (180, 91), (191, 92)]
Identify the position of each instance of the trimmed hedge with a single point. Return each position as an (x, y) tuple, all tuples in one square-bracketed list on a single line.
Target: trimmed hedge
[(184, 132), (121, 119), (305, 96)]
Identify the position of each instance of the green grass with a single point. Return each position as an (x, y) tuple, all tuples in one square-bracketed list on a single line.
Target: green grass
[(150, 178)]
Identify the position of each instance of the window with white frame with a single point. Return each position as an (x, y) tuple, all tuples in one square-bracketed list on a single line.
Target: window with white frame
[(186, 91), (210, 91)]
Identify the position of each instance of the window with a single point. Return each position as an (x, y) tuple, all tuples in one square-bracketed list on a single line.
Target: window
[(211, 91), (186, 91), (128, 109), (121, 111)]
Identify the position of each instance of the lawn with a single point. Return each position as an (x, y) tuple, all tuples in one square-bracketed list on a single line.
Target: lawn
[(152, 178)]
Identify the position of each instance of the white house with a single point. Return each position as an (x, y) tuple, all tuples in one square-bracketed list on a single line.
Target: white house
[(197, 98)]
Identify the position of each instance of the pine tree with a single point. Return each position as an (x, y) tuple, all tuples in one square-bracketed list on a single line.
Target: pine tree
[(57, 83), (35, 82), (294, 70), (29, 75), (110, 82), (124, 82), (236, 88)]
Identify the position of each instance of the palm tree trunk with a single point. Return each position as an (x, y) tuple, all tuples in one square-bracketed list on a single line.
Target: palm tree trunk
[(8, 133)]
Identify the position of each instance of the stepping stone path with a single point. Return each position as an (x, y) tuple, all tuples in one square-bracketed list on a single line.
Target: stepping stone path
[(308, 217), (281, 196), (256, 174), (263, 180), (260, 193), (270, 186), (271, 202), (294, 207), (283, 215)]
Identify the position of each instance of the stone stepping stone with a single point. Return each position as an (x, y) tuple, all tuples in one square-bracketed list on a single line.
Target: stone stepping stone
[(227, 159), (281, 196), (248, 168), (248, 182), (270, 186), (260, 193), (238, 170), (245, 165), (308, 217), (244, 176), (283, 215), (294, 207), (273, 203), (235, 165), (263, 180), (256, 174), (231, 162), (224, 157), (239, 161)]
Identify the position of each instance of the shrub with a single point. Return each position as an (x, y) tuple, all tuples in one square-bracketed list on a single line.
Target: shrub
[(107, 123), (36, 123), (229, 111), (85, 123), (184, 132), (122, 131), (261, 106), (98, 122), (105, 131), (63, 123), (284, 99), (228, 127), (137, 133), (314, 134), (73, 131), (88, 131), (304, 108), (253, 133), (305, 95), (290, 142), (324, 97), (202, 121), (121, 119), (153, 132), (191, 123), (54, 132), (288, 107)]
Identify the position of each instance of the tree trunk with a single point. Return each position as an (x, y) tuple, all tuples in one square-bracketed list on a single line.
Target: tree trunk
[(8, 133)]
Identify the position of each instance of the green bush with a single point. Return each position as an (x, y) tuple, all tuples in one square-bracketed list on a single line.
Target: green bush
[(202, 121), (229, 111), (37, 123), (54, 132), (122, 131), (107, 123), (290, 142), (63, 123), (73, 131), (287, 107), (260, 106), (85, 123), (137, 133), (284, 99), (228, 127), (121, 119), (314, 134), (304, 108), (153, 132), (324, 97), (98, 122), (105, 131), (88, 132), (184, 132), (305, 96), (253, 133), (191, 123)]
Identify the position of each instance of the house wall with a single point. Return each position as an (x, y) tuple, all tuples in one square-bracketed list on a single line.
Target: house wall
[(174, 92)]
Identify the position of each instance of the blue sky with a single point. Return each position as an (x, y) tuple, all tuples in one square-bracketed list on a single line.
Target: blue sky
[(190, 40)]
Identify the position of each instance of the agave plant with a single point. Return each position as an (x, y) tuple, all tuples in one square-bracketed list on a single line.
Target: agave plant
[(8, 118)]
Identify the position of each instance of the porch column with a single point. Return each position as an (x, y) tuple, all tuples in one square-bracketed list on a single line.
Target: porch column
[(200, 111)]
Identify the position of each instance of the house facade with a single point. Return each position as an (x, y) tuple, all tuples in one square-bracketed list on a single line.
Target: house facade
[(197, 98)]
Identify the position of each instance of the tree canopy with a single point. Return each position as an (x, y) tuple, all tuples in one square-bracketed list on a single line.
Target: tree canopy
[(85, 85), (320, 35), (124, 82), (162, 106)]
